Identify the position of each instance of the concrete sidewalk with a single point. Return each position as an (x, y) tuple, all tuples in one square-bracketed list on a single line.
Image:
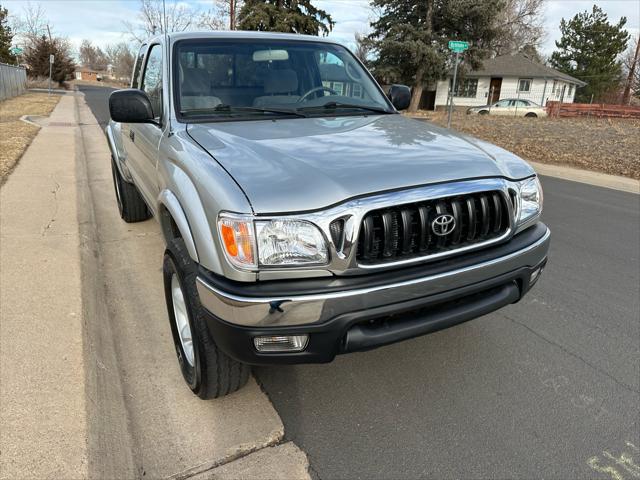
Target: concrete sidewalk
[(89, 383), (43, 425)]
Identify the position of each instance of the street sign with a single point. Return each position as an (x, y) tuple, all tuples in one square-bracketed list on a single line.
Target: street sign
[(51, 58), (458, 46), (15, 51)]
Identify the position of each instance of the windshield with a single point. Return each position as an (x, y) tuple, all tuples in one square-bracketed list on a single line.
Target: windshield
[(222, 79)]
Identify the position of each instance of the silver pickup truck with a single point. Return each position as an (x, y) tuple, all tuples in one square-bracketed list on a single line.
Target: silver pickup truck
[(304, 217)]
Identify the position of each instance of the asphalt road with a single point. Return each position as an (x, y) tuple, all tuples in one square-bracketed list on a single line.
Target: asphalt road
[(547, 388)]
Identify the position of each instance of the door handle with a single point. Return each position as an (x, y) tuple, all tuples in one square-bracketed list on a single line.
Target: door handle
[(132, 135)]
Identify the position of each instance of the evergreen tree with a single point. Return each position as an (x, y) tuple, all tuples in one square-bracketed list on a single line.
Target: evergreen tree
[(37, 59), (6, 36), (589, 49), (289, 16), (411, 36)]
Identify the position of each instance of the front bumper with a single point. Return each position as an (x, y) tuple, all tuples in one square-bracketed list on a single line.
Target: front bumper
[(355, 313)]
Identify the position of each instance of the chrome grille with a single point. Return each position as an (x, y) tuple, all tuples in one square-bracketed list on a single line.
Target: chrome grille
[(406, 231)]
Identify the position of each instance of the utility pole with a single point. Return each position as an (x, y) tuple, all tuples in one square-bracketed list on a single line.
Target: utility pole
[(632, 71)]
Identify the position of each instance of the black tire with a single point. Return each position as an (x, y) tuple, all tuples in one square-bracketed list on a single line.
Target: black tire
[(213, 373), (531, 115), (130, 203), (483, 112)]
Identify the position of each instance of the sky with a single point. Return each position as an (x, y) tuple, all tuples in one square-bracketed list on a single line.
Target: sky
[(101, 21)]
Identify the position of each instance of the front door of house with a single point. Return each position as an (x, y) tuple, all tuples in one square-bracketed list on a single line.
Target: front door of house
[(494, 89)]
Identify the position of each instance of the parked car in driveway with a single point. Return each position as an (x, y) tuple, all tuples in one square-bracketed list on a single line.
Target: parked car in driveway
[(303, 216), (514, 107)]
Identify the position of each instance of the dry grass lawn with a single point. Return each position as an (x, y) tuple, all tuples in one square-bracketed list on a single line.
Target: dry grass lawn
[(16, 135), (609, 145)]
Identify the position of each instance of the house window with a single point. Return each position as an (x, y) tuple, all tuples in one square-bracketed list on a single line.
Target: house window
[(467, 88), (570, 90), (524, 85), (555, 85)]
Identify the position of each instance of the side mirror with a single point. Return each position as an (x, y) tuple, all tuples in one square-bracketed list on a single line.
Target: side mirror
[(400, 96), (130, 106)]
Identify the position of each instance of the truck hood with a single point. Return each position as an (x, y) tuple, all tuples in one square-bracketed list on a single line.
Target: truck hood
[(307, 164)]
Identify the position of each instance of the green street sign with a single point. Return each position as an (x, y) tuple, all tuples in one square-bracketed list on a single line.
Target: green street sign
[(15, 51), (458, 46)]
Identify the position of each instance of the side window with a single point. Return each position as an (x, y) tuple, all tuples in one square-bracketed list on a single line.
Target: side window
[(135, 78), (152, 79), (334, 75), (502, 103)]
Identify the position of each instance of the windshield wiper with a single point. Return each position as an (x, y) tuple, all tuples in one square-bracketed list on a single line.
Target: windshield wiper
[(225, 108), (335, 105)]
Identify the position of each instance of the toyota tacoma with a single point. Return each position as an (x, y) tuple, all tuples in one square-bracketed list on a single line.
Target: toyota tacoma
[(303, 216)]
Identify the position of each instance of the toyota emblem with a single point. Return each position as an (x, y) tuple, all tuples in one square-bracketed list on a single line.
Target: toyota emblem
[(443, 224)]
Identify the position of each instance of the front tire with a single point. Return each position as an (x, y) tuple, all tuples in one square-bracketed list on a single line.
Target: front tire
[(483, 112), (130, 203), (209, 372), (531, 115)]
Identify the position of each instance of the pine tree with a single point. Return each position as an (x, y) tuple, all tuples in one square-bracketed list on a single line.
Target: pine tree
[(410, 38), (6, 36), (37, 59), (289, 16), (589, 50)]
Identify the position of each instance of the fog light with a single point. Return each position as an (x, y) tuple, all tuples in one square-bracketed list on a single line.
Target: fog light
[(534, 276), (281, 343)]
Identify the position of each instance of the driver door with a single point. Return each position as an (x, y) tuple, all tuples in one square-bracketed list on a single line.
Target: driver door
[(145, 137)]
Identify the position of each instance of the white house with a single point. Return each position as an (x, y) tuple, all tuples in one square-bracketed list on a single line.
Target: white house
[(506, 76)]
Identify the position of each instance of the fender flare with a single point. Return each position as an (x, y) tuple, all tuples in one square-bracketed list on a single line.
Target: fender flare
[(171, 203)]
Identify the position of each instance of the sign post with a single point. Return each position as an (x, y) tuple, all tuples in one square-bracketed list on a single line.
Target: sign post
[(51, 59), (458, 47)]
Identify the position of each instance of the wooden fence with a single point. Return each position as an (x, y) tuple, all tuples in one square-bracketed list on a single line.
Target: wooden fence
[(557, 109), (13, 81)]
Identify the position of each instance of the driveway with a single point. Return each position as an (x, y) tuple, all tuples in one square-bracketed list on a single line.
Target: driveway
[(547, 388)]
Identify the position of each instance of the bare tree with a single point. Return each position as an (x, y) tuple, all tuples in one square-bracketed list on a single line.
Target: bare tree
[(121, 59), (521, 23), (31, 24), (92, 56), (154, 19), (363, 47)]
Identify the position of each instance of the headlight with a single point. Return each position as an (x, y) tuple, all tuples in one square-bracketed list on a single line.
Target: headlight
[(290, 242), (530, 199), (279, 242)]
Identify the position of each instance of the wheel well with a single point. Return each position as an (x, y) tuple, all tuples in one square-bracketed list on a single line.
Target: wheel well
[(170, 229)]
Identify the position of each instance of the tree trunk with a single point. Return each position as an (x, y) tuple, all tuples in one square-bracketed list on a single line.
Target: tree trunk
[(416, 95), (626, 96)]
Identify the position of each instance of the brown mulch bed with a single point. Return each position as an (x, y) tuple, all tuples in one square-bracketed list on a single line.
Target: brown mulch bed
[(608, 145), (16, 135)]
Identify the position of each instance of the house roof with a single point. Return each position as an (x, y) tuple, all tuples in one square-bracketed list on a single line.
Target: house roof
[(520, 65)]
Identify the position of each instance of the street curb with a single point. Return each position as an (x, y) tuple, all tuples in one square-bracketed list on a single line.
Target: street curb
[(589, 177), (109, 444)]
